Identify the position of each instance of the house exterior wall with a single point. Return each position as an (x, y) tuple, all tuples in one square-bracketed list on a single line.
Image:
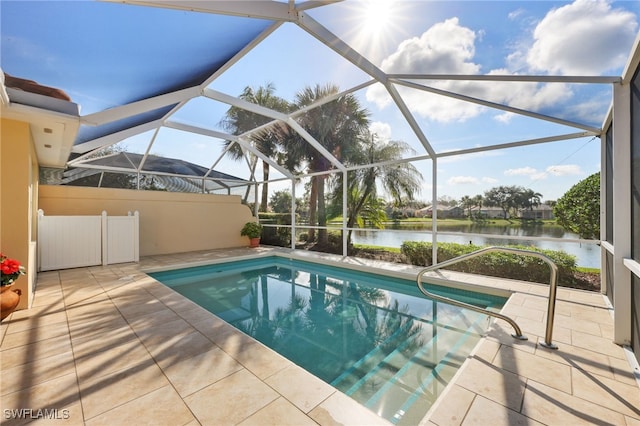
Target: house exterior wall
[(169, 222), (18, 189)]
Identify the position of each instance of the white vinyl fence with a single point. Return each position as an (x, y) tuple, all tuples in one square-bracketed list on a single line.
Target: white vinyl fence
[(75, 241)]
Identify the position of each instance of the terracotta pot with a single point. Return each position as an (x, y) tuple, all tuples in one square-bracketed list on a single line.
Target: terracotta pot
[(254, 242), (9, 300)]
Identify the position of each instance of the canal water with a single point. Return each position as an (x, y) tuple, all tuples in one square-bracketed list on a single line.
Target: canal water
[(587, 254)]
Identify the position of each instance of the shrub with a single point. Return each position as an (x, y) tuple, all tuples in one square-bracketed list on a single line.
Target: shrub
[(504, 265), (278, 235)]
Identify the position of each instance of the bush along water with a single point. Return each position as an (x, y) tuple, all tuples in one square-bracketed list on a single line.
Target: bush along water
[(503, 265)]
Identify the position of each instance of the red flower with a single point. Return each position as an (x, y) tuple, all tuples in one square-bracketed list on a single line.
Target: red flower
[(10, 269), (10, 266)]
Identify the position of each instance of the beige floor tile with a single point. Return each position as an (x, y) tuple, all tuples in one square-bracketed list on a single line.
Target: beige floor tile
[(596, 343), (554, 374), (97, 306), (224, 335), (280, 412), (59, 392), (83, 331), (160, 407), (33, 335), (597, 315), (102, 393), (189, 375), (260, 360), (157, 335), (501, 332), (579, 358), (521, 311), (534, 329), (35, 351), (612, 394), (582, 325), (176, 348), (503, 387), (606, 330), (154, 319), (485, 412), (27, 375), (132, 308), (486, 350), (300, 387), (622, 371), (70, 415), (553, 407), (452, 406), (230, 400), (631, 421), (35, 319), (339, 409), (538, 303), (102, 358)]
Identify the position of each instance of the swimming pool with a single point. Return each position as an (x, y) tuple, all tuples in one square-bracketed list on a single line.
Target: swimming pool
[(374, 337)]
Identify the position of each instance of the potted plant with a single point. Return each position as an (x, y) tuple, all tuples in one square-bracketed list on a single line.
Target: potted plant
[(253, 230), (9, 299)]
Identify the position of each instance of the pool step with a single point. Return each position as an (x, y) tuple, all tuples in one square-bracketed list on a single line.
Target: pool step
[(420, 380), (402, 376)]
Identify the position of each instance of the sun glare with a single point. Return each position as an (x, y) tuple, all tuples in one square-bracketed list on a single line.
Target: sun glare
[(377, 15)]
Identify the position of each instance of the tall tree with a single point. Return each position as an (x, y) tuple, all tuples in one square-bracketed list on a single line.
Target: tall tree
[(238, 121), (530, 199), (505, 197), (337, 126), (399, 180), (467, 202)]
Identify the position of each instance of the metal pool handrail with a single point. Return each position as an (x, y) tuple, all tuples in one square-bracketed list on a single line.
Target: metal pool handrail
[(553, 284)]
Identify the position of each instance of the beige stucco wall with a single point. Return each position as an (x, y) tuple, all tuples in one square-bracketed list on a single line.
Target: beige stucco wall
[(169, 222), (18, 189)]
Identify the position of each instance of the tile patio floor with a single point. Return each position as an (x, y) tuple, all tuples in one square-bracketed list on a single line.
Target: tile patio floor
[(111, 346)]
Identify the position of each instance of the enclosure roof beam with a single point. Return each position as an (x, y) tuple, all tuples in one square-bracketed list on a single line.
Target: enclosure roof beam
[(497, 106), (225, 136)]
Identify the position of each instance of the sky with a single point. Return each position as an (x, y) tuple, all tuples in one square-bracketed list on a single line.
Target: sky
[(542, 37), (581, 37)]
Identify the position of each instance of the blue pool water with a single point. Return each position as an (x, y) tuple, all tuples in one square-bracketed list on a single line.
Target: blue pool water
[(374, 337)]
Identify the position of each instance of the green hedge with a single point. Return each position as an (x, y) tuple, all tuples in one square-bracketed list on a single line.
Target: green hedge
[(504, 265), (276, 236)]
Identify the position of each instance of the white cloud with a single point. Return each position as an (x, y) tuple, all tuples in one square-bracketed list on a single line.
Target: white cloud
[(381, 130), (565, 170), (487, 179), (445, 48), (462, 180), (449, 48), (523, 171), (515, 14), (584, 37), (505, 117)]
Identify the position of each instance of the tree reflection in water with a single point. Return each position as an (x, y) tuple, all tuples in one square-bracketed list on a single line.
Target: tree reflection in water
[(327, 325)]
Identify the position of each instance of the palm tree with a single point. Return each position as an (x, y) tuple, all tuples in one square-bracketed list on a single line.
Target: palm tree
[(531, 198), (478, 200), (238, 121), (467, 202), (337, 126), (397, 179)]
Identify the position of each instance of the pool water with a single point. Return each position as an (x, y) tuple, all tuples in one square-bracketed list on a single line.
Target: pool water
[(375, 338)]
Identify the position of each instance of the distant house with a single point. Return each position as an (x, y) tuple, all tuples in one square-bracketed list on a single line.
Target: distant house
[(444, 212), (451, 212), (543, 211), (488, 213), (423, 212)]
